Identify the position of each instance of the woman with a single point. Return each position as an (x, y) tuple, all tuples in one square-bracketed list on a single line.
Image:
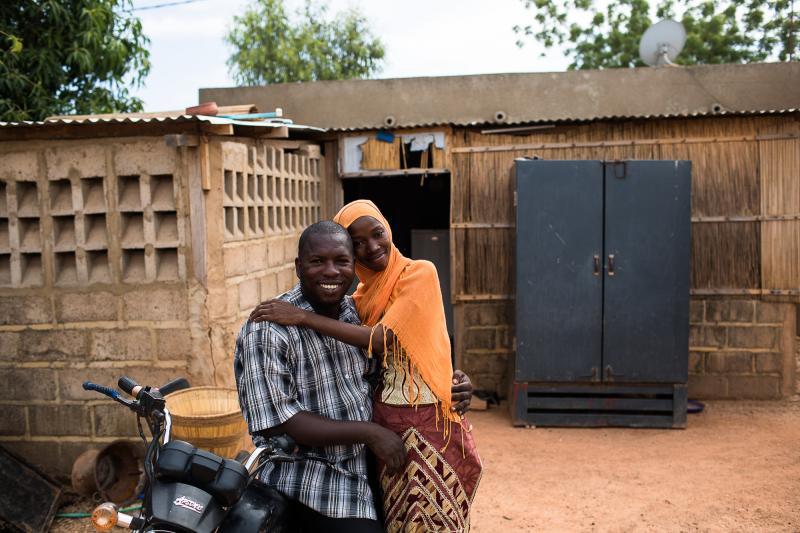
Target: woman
[(400, 304)]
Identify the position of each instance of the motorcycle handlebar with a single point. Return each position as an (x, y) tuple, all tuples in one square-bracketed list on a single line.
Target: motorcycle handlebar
[(283, 443), (128, 385), (174, 386), (111, 393)]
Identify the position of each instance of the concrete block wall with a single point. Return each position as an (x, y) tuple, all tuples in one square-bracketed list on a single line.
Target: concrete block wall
[(485, 345), (116, 258), (268, 195), (738, 348), (742, 349), (50, 345), (96, 282)]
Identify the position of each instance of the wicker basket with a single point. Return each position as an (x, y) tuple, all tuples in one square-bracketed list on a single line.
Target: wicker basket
[(209, 418)]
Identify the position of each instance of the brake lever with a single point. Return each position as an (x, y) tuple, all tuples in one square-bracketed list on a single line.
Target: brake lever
[(281, 457)]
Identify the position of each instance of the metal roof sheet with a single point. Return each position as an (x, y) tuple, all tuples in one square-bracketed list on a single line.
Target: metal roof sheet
[(165, 119), (529, 98), (498, 125)]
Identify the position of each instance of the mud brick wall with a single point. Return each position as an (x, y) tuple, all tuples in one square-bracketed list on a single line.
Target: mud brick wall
[(738, 349), (742, 349)]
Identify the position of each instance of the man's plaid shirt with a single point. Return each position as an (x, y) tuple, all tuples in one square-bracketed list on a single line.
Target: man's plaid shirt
[(282, 370)]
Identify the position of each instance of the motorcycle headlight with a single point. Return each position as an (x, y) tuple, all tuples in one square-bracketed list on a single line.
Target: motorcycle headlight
[(104, 516)]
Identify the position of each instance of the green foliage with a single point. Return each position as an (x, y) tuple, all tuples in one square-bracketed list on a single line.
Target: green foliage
[(717, 31), (269, 47), (69, 56)]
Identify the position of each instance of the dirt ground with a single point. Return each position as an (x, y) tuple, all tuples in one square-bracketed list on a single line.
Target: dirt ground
[(736, 468)]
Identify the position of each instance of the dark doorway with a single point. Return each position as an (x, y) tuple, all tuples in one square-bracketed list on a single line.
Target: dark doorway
[(418, 210), (407, 202)]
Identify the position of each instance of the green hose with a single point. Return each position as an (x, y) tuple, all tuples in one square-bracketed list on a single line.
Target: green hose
[(87, 515)]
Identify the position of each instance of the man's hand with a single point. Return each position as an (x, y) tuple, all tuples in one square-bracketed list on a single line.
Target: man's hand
[(278, 311), (461, 392), (388, 447)]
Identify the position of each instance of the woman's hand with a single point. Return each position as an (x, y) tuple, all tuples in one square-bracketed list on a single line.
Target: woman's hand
[(278, 311), (461, 392)]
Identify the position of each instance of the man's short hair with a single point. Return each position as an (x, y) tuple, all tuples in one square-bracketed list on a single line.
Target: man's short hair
[(323, 227)]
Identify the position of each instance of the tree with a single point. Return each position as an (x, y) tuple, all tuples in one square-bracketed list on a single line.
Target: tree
[(69, 56), (269, 47), (717, 31)]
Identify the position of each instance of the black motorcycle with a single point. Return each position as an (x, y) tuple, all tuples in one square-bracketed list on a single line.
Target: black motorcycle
[(189, 490)]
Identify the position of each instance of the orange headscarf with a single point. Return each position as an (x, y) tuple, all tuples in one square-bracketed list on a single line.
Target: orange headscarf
[(405, 297)]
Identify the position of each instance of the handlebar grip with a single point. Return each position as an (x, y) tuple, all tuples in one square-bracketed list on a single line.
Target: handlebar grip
[(127, 384), (174, 386), (111, 393)]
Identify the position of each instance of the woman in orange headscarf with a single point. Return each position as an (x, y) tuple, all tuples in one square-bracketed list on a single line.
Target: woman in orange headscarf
[(400, 304)]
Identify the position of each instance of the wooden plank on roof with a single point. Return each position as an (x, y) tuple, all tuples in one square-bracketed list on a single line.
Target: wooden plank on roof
[(744, 218), (217, 129), (395, 173), (628, 142), (483, 297), (281, 132), (481, 225), (241, 109), (745, 292)]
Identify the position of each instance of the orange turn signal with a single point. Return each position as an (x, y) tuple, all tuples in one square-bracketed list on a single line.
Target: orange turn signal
[(104, 516)]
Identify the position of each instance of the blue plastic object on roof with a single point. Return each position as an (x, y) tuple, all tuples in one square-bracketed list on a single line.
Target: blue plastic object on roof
[(385, 136)]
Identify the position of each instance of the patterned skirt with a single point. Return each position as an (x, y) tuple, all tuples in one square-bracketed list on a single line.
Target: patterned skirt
[(436, 489)]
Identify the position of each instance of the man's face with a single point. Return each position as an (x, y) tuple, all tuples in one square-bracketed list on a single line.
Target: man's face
[(326, 268)]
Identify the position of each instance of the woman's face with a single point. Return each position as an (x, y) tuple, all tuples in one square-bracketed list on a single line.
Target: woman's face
[(371, 243)]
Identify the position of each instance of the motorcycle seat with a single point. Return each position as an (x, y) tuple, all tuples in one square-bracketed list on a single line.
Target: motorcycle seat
[(182, 462)]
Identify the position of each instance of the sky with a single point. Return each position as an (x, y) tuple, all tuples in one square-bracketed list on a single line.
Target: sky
[(421, 37)]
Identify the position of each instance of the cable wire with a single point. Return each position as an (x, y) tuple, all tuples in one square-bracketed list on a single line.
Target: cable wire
[(168, 4)]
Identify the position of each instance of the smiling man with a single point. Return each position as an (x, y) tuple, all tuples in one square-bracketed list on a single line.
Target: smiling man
[(294, 380)]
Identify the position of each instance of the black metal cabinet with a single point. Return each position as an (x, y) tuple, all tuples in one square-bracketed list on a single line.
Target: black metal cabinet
[(434, 245), (602, 292)]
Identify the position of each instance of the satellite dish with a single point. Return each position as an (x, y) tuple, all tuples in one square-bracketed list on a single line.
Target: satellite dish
[(662, 42)]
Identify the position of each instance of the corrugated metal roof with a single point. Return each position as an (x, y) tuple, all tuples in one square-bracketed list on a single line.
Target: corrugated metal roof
[(530, 98), (499, 125), (166, 119)]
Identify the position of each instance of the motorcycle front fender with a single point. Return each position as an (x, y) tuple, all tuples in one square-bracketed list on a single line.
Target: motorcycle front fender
[(261, 508)]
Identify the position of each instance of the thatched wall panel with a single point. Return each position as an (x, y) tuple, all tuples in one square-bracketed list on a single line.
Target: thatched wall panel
[(709, 127), (780, 240), (485, 258), (780, 176), (731, 178), (780, 249), (724, 176), (483, 190), (725, 255), (380, 155), (778, 124)]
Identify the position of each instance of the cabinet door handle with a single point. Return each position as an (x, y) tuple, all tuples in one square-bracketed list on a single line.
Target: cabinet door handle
[(610, 265), (596, 265)]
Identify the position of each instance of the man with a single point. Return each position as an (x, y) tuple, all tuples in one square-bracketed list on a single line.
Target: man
[(294, 380)]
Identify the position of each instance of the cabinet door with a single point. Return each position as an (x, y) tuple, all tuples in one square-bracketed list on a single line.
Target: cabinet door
[(647, 247), (434, 245), (559, 283)]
